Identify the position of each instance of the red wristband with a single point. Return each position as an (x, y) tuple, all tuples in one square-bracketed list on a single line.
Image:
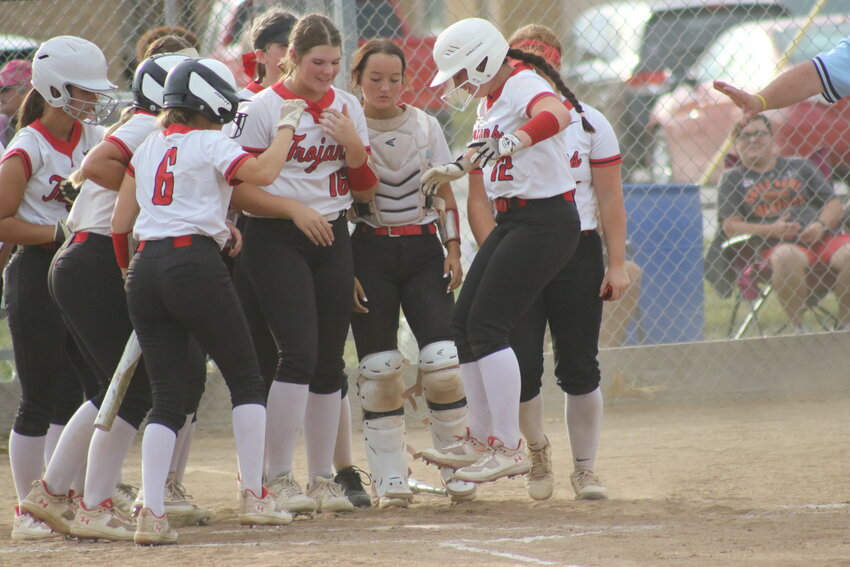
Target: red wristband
[(121, 245), (361, 178), (543, 125)]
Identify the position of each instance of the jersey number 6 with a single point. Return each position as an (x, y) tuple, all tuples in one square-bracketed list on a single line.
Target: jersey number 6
[(163, 190)]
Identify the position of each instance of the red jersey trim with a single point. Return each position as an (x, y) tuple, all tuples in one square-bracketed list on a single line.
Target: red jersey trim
[(613, 160), (122, 147), (314, 108), (254, 151), (254, 87), (537, 98), (25, 158), (131, 171), (65, 147), (177, 129), (234, 167)]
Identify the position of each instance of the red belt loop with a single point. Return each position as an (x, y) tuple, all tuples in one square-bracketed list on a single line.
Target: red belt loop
[(81, 236), (182, 241)]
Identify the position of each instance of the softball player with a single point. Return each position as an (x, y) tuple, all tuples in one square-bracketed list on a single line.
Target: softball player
[(399, 262), (572, 302), (88, 288), (58, 121), (178, 185), (305, 285), (516, 143), (270, 40)]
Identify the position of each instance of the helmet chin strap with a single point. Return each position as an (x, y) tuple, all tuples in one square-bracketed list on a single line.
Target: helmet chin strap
[(458, 98)]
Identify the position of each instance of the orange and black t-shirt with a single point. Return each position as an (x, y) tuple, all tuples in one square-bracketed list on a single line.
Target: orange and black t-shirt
[(794, 187)]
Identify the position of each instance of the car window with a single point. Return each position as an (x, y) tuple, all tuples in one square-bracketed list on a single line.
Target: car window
[(675, 39), (742, 56), (818, 38), (610, 32)]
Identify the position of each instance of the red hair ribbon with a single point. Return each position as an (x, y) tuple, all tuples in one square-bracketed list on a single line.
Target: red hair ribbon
[(249, 64), (549, 52)]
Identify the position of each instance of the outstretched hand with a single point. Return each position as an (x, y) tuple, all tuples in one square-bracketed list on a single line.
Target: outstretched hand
[(439, 174), (750, 104)]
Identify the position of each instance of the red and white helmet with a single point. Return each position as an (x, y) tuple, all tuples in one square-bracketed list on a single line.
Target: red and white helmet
[(473, 45), (67, 60)]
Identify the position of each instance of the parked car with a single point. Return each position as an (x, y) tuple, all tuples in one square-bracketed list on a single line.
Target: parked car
[(689, 125), (644, 50), (227, 37), (16, 47)]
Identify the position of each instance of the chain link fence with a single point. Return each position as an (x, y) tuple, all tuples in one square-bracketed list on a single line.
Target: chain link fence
[(704, 316)]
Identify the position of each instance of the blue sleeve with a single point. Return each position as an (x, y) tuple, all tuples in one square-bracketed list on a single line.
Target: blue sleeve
[(833, 68)]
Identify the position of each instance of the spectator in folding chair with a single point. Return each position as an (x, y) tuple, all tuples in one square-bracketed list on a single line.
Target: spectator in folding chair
[(792, 213)]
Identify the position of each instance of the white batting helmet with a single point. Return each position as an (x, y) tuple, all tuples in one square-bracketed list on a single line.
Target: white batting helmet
[(473, 45), (67, 60)]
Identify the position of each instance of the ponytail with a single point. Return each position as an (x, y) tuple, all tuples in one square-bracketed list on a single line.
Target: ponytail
[(539, 63), (31, 109)]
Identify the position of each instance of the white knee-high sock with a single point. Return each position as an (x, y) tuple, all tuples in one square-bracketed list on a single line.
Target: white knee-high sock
[(321, 425), (50, 441), (69, 456), (531, 422), (182, 447), (157, 448), (478, 413), (107, 452), (249, 430), (584, 423), (501, 379), (342, 451), (284, 418), (26, 455)]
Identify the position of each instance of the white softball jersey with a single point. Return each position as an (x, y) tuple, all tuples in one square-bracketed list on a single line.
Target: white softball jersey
[(402, 148), (585, 151), (92, 210), (48, 161), (314, 173), (537, 172), (183, 183)]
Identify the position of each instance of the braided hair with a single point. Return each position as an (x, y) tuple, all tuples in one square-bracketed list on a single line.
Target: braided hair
[(543, 66)]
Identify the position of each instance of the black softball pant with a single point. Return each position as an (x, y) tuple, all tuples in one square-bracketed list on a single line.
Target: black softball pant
[(402, 272), (52, 371), (172, 293), (573, 308), (305, 292), (528, 246)]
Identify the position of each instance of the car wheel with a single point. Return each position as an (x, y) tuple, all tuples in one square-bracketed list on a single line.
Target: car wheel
[(659, 161)]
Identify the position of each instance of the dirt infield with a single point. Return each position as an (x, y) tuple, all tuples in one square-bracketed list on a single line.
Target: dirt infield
[(734, 484)]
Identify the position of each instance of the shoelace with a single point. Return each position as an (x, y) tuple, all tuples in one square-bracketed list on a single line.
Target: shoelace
[(541, 467), (288, 487), (176, 490), (352, 478), (586, 477)]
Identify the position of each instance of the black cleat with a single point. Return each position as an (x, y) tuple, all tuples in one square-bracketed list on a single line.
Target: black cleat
[(352, 484)]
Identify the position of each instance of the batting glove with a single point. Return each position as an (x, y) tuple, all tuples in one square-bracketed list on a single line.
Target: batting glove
[(437, 175), (290, 113), (491, 149)]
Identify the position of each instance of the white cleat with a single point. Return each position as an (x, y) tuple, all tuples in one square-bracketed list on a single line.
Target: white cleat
[(153, 530), (265, 511), (104, 521), (540, 482), (328, 495), (27, 528), (288, 494), (499, 462), (467, 450), (587, 485)]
